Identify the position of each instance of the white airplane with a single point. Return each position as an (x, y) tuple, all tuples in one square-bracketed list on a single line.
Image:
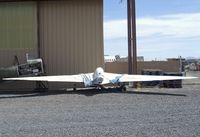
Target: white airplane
[(100, 78)]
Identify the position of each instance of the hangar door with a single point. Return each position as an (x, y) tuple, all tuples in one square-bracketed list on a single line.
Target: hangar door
[(18, 31), (71, 35)]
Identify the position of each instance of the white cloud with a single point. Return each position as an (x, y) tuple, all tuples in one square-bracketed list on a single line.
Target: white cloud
[(115, 29), (178, 26), (175, 26), (160, 36)]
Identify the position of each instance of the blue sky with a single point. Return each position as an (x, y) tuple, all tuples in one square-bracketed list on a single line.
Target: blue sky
[(165, 28)]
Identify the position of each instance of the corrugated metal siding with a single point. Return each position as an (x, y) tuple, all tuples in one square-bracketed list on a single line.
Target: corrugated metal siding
[(17, 31), (18, 36), (71, 35)]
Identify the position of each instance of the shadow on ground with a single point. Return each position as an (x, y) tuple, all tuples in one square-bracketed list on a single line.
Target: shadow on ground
[(85, 92)]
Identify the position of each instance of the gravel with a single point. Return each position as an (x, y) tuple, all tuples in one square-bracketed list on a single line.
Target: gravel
[(91, 113)]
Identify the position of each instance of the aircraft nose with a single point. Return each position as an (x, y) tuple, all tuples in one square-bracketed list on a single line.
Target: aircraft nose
[(100, 80)]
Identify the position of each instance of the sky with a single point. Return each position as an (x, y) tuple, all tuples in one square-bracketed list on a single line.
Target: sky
[(165, 28)]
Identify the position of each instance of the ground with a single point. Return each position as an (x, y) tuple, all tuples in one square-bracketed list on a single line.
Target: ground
[(90, 113)]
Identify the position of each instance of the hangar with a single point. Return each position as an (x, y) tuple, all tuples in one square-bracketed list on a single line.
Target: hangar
[(66, 34)]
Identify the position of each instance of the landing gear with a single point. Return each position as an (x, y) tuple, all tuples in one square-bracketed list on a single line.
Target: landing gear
[(102, 87), (122, 88)]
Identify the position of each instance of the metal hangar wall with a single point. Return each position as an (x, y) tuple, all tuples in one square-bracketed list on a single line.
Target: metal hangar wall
[(66, 34)]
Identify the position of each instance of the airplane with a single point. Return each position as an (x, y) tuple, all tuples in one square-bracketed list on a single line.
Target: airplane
[(99, 78)]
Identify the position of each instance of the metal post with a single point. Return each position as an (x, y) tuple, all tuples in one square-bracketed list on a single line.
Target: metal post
[(132, 48), (129, 38)]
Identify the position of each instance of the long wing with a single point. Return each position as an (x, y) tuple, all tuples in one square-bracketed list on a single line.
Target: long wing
[(58, 78), (137, 78), (115, 78)]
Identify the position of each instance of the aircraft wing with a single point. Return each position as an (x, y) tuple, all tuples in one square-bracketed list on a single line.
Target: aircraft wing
[(58, 78), (137, 78), (111, 78), (115, 78)]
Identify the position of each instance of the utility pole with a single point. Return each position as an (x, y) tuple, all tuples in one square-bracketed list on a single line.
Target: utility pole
[(132, 44)]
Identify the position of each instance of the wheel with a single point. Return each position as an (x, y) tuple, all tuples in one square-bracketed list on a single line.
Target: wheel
[(123, 89), (102, 88)]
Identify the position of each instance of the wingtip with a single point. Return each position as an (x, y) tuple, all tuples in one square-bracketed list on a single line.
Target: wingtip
[(192, 77), (4, 78)]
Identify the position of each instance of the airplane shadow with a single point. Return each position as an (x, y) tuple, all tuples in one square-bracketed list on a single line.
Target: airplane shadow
[(85, 92)]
